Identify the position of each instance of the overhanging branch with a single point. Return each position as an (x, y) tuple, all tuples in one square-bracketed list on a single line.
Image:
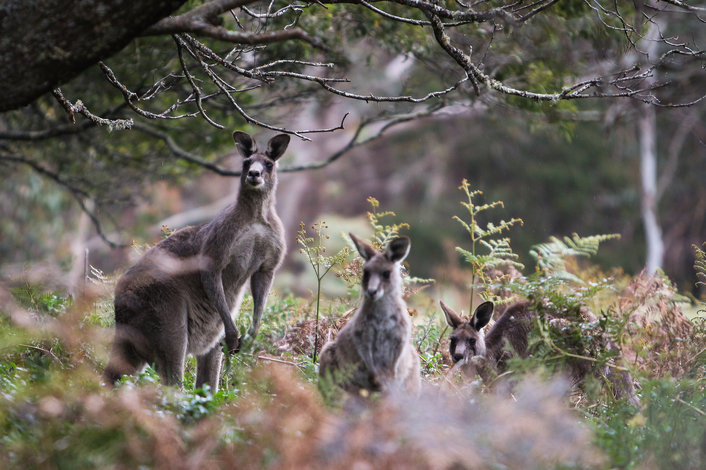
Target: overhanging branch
[(78, 194)]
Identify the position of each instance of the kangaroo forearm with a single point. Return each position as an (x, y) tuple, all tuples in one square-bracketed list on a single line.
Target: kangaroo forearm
[(213, 286), (260, 284)]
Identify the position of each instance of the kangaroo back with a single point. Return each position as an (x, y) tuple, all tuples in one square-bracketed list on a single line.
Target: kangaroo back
[(373, 350)]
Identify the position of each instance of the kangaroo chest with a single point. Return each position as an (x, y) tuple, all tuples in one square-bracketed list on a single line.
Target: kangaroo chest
[(255, 247), (382, 339)]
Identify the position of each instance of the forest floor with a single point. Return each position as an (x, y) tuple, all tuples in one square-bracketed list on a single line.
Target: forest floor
[(270, 412)]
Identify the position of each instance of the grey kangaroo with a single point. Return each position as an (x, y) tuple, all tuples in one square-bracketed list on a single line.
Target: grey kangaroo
[(180, 296), (509, 335), (373, 350)]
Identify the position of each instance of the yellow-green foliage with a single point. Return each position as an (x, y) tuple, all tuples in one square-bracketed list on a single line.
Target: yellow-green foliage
[(497, 251)]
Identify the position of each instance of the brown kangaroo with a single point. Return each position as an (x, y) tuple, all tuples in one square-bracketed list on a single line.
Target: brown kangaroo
[(509, 335), (373, 350), (179, 298)]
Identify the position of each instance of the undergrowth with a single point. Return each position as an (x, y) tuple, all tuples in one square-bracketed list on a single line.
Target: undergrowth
[(271, 411)]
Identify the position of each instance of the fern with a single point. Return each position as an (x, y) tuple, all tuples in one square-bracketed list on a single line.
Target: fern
[(700, 265), (551, 256), (383, 234), (498, 251), (700, 268)]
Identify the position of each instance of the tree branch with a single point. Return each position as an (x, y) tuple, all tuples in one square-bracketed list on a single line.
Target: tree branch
[(78, 194), (392, 121), (199, 21), (79, 107), (180, 152)]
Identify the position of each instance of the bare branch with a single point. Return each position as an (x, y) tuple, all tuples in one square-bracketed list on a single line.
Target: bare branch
[(49, 133), (197, 21), (79, 107), (131, 97), (180, 152), (223, 86), (392, 99), (197, 90), (684, 6), (394, 17), (392, 121), (78, 194), (207, 10)]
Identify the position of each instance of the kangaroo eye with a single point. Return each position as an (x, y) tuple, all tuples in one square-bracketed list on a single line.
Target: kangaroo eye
[(472, 341), (366, 275), (246, 164), (269, 165), (386, 274)]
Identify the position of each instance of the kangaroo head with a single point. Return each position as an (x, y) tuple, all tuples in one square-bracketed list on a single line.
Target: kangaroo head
[(381, 271), (467, 339), (259, 167)]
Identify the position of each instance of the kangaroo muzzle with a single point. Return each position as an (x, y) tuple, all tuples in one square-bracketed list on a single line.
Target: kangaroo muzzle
[(374, 289), (254, 177)]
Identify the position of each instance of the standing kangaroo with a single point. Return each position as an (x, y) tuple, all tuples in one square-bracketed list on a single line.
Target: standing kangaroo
[(180, 296), (373, 350), (512, 329)]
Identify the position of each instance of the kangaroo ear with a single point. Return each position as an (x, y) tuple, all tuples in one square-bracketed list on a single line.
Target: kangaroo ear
[(398, 249), (244, 143), (452, 318), (482, 315), (276, 146), (365, 249)]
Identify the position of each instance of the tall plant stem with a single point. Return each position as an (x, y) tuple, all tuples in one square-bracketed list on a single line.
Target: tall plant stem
[(316, 328), (473, 250)]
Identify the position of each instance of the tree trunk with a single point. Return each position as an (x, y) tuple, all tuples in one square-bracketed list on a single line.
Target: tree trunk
[(44, 43), (647, 130)]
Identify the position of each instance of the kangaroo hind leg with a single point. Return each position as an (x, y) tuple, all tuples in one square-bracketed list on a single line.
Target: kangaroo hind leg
[(208, 367)]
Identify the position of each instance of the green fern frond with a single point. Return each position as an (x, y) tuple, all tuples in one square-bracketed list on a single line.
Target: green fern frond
[(498, 250), (700, 265), (383, 234), (551, 256)]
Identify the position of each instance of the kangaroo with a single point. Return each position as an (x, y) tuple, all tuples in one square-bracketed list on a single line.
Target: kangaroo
[(467, 339), (179, 298), (512, 329), (373, 350)]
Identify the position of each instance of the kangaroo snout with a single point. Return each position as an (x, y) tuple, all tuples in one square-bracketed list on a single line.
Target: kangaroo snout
[(254, 176), (458, 356), (374, 290)]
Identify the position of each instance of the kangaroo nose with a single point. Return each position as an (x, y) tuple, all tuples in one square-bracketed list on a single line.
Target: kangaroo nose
[(457, 357), (254, 173)]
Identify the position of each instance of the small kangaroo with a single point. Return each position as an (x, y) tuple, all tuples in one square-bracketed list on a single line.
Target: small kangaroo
[(467, 338), (373, 350), (512, 329), (179, 298)]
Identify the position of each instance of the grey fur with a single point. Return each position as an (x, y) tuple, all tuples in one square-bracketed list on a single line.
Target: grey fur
[(373, 351), (509, 335), (179, 298)]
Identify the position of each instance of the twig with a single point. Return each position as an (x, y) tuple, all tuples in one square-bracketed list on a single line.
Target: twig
[(702, 413), (197, 90), (181, 153), (79, 107), (78, 194), (45, 351)]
